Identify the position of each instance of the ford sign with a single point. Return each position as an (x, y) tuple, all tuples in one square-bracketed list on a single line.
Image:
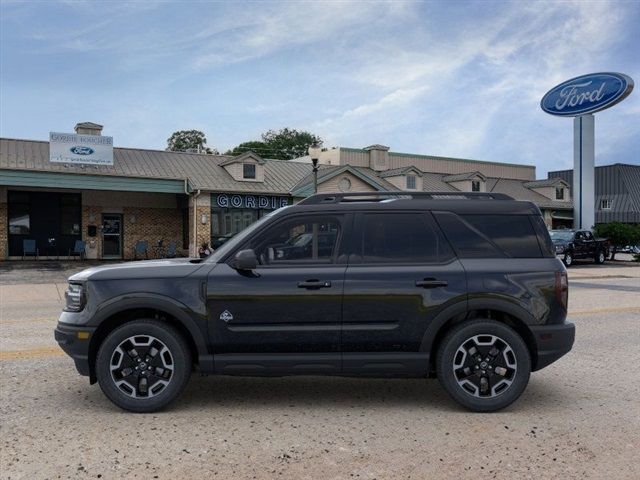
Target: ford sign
[(587, 94), (82, 150)]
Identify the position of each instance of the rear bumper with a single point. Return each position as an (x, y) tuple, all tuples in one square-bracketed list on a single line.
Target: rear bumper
[(74, 340), (552, 341)]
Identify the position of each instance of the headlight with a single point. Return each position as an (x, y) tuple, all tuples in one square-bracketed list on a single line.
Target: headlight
[(559, 248), (75, 297)]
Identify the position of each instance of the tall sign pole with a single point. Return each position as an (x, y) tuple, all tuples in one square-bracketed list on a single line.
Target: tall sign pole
[(580, 98), (584, 215)]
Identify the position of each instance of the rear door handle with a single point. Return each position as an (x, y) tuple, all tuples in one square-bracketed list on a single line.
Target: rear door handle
[(431, 283), (314, 284)]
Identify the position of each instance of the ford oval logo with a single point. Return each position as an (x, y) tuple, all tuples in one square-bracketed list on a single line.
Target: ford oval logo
[(587, 94), (78, 150)]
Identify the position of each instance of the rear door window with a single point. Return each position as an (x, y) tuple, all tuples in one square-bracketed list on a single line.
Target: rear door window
[(411, 237)]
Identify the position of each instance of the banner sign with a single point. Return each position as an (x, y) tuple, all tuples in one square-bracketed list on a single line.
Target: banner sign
[(587, 94), (80, 149), (233, 200)]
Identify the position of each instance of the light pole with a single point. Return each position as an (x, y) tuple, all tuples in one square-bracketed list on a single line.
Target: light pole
[(314, 153)]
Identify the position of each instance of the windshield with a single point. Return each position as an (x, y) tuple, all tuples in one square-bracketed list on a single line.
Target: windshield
[(239, 237), (561, 235)]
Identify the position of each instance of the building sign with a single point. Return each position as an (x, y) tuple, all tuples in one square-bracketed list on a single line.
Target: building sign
[(587, 94), (80, 149), (232, 200)]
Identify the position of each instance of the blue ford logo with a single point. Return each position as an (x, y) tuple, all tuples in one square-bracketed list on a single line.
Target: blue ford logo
[(587, 94), (82, 150)]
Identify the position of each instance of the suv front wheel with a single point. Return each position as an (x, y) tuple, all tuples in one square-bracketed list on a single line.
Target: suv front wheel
[(484, 365), (143, 365)]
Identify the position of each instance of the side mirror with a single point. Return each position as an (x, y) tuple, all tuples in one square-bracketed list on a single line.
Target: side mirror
[(245, 260)]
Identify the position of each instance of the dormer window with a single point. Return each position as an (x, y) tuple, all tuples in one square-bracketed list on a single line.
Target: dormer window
[(559, 193), (411, 182), (249, 171), (475, 186)]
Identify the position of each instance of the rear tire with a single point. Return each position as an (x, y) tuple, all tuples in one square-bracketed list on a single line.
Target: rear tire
[(143, 365), (483, 349)]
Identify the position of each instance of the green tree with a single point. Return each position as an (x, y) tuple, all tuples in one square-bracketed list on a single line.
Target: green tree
[(283, 144), (184, 140), (255, 146), (619, 234)]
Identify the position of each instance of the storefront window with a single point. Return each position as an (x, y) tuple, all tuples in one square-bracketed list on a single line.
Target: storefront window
[(70, 214), (19, 220)]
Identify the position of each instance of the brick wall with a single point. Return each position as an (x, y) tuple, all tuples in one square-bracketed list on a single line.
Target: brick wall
[(203, 230), (152, 225)]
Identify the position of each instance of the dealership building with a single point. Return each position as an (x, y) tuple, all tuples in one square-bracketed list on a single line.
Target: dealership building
[(78, 187)]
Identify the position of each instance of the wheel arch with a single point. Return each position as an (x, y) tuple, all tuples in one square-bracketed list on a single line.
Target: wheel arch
[(121, 311), (494, 309)]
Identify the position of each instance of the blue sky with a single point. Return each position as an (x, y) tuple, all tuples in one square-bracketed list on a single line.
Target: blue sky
[(460, 79)]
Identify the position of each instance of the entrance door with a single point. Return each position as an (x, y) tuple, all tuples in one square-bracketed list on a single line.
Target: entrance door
[(112, 236)]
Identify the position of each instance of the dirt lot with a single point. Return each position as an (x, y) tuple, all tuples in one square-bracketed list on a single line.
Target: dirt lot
[(579, 418)]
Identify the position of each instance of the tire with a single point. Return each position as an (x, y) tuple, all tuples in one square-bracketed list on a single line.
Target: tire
[(455, 360), (601, 256), (145, 345), (568, 259)]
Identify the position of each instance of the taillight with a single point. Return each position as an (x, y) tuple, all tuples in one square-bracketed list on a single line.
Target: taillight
[(562, 289)]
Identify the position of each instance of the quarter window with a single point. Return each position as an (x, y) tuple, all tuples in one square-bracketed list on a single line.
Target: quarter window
[(402, 238), (514, 234), (306, 240)]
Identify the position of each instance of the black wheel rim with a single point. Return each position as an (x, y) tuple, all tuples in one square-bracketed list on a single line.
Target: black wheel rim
[(141, 366), (485, 366), (568, 259)]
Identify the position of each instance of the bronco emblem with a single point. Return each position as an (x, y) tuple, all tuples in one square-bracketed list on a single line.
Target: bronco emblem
[(226, 316)]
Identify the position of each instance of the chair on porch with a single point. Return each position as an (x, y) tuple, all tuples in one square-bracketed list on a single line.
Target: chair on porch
[(79, 249), (29, 248), (141, 248), (172, 250)]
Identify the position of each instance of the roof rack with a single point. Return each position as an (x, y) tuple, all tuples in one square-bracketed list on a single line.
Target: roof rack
[(322, 198)]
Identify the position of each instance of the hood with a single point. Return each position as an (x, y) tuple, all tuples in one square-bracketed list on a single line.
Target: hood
[(166, 268), (559, 241)]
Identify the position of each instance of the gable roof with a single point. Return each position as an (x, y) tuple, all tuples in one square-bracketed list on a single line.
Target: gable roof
[(394, 172), (325, 172), (547, 182), (88, 125), (464, 176), (249, 154)]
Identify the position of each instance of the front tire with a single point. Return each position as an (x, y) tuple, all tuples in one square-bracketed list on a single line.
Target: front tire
[(143, 365), (484, 365), (568, 259), (601, 257)]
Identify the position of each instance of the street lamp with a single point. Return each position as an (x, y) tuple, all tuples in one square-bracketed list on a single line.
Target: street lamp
[(314, 153)]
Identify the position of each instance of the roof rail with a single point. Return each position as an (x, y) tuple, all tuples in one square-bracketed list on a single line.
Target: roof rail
[(323, 198)]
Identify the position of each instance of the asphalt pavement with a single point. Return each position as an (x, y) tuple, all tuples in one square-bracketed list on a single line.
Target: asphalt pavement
[(578, 418)]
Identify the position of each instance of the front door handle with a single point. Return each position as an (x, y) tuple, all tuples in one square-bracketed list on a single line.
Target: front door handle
[(431, 283), (314, 284)]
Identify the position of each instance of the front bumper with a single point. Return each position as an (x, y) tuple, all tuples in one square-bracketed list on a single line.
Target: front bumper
[(75, 340), (552, 341)]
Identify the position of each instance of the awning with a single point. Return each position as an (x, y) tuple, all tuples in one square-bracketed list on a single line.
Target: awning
[(562, 215)]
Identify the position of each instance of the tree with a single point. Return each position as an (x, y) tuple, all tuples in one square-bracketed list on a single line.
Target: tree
[(283, 144), (184, 140), (619, 234), (255, 146)]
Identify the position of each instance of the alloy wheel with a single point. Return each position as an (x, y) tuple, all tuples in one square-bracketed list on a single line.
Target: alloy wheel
[(484, 366), (141, 366)]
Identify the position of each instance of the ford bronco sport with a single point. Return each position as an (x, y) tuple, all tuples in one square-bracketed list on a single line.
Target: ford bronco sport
[(463, 286)]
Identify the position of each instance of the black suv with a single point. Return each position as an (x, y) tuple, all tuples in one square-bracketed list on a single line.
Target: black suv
[(463, 286)]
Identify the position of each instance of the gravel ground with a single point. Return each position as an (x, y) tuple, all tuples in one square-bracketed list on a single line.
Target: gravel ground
[(579, 418)]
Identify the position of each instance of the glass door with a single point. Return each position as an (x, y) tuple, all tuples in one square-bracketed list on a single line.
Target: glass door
[(111, 235)]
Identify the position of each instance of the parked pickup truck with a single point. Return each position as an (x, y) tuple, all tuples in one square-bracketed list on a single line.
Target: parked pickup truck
[(576, 244)]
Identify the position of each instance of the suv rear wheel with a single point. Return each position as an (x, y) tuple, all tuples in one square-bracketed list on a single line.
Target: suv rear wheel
[(484, 365), (143, 365)]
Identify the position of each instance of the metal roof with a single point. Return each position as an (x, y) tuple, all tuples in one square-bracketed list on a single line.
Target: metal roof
[(463, 176), (399, 171), (202, 171), (547, 182)]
